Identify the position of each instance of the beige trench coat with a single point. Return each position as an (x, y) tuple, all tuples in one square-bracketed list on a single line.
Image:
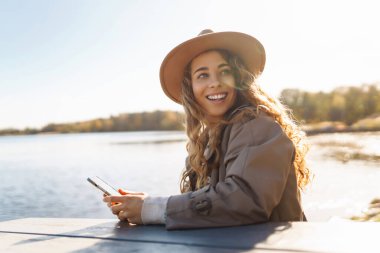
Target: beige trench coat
[(256, 182)]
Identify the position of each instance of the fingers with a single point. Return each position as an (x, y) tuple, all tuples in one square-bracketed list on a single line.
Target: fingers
[(134, 220), (116, 209), (128, 206), (109, 204), (122, 216), (109, 201), (116, 203), (122, 192), (116, 199), (125, 192)]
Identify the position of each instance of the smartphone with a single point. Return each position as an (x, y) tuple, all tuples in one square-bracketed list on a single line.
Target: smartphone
[(103, 186)]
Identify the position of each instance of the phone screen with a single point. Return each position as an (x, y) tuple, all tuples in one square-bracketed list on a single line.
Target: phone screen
[(103, 186)]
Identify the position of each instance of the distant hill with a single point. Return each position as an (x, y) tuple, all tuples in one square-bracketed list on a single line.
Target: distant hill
[(145, 121)]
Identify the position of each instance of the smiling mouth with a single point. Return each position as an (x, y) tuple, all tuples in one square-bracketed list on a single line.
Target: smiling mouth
[(217, 97)]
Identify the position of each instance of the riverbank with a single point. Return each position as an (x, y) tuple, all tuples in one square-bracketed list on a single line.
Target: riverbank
[(309, 129), (368, 124), (372, 213)]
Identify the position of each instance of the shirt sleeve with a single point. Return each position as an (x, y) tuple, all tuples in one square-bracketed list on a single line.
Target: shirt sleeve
[(257, 163), (154, 210)]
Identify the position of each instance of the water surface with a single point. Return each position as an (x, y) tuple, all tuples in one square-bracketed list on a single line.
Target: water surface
[(45, 175)]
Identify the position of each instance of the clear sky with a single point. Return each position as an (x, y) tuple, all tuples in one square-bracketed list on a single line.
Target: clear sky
[(72, 60)]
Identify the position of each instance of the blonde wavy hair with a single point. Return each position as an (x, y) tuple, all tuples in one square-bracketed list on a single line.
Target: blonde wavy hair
[(202, 134)]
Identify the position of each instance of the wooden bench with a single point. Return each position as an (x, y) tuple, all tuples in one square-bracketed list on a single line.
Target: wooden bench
[(104, 235)]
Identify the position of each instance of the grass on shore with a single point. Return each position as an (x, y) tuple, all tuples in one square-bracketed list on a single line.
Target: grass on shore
[(346, 156), (372, 213), (344, 151)]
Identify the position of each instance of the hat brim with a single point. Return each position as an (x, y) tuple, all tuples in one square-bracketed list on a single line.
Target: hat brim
[(248, 48)]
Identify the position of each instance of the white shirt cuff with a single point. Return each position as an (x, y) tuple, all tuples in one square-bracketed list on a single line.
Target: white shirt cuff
[(154, 210)]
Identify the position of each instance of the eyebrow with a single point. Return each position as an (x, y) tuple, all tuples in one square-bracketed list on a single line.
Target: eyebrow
[(205, 68)]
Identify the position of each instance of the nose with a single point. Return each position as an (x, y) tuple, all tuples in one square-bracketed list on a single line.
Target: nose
[(215, 82)]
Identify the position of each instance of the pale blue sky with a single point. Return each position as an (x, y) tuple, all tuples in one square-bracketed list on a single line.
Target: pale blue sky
[(71, 60)]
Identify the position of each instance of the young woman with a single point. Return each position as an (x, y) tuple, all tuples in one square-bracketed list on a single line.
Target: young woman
[(246, 157)]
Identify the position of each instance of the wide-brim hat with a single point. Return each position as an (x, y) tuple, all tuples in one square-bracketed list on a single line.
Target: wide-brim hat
[(246, 47)]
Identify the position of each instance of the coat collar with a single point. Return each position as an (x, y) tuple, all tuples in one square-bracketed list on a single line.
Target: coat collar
[(237, 109), (240, 103)]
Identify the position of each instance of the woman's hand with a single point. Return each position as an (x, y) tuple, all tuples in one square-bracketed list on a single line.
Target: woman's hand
[(128, 206)]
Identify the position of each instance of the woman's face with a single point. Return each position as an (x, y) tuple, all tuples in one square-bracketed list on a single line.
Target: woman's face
[(213, 84)]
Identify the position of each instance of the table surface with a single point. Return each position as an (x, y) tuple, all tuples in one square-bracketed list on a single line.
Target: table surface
[(104, 235)]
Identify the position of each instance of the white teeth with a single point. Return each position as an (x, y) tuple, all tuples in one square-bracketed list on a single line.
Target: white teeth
[(217, 96)]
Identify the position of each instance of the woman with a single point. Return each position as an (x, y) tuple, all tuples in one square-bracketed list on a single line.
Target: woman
[(246, 157)]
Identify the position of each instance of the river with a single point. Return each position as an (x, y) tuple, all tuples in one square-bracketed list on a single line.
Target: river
[(45, 175)]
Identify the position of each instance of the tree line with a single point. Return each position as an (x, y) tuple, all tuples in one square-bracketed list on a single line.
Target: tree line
[(145, 121), (345, 104)]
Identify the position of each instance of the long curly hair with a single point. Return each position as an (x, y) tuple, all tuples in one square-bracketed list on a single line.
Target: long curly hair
[(201, 134)]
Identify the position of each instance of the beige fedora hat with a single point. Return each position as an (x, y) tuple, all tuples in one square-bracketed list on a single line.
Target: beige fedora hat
[(248, 48)]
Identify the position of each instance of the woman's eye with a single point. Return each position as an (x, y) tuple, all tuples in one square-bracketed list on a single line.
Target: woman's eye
[(226, 72), (202, 75)]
